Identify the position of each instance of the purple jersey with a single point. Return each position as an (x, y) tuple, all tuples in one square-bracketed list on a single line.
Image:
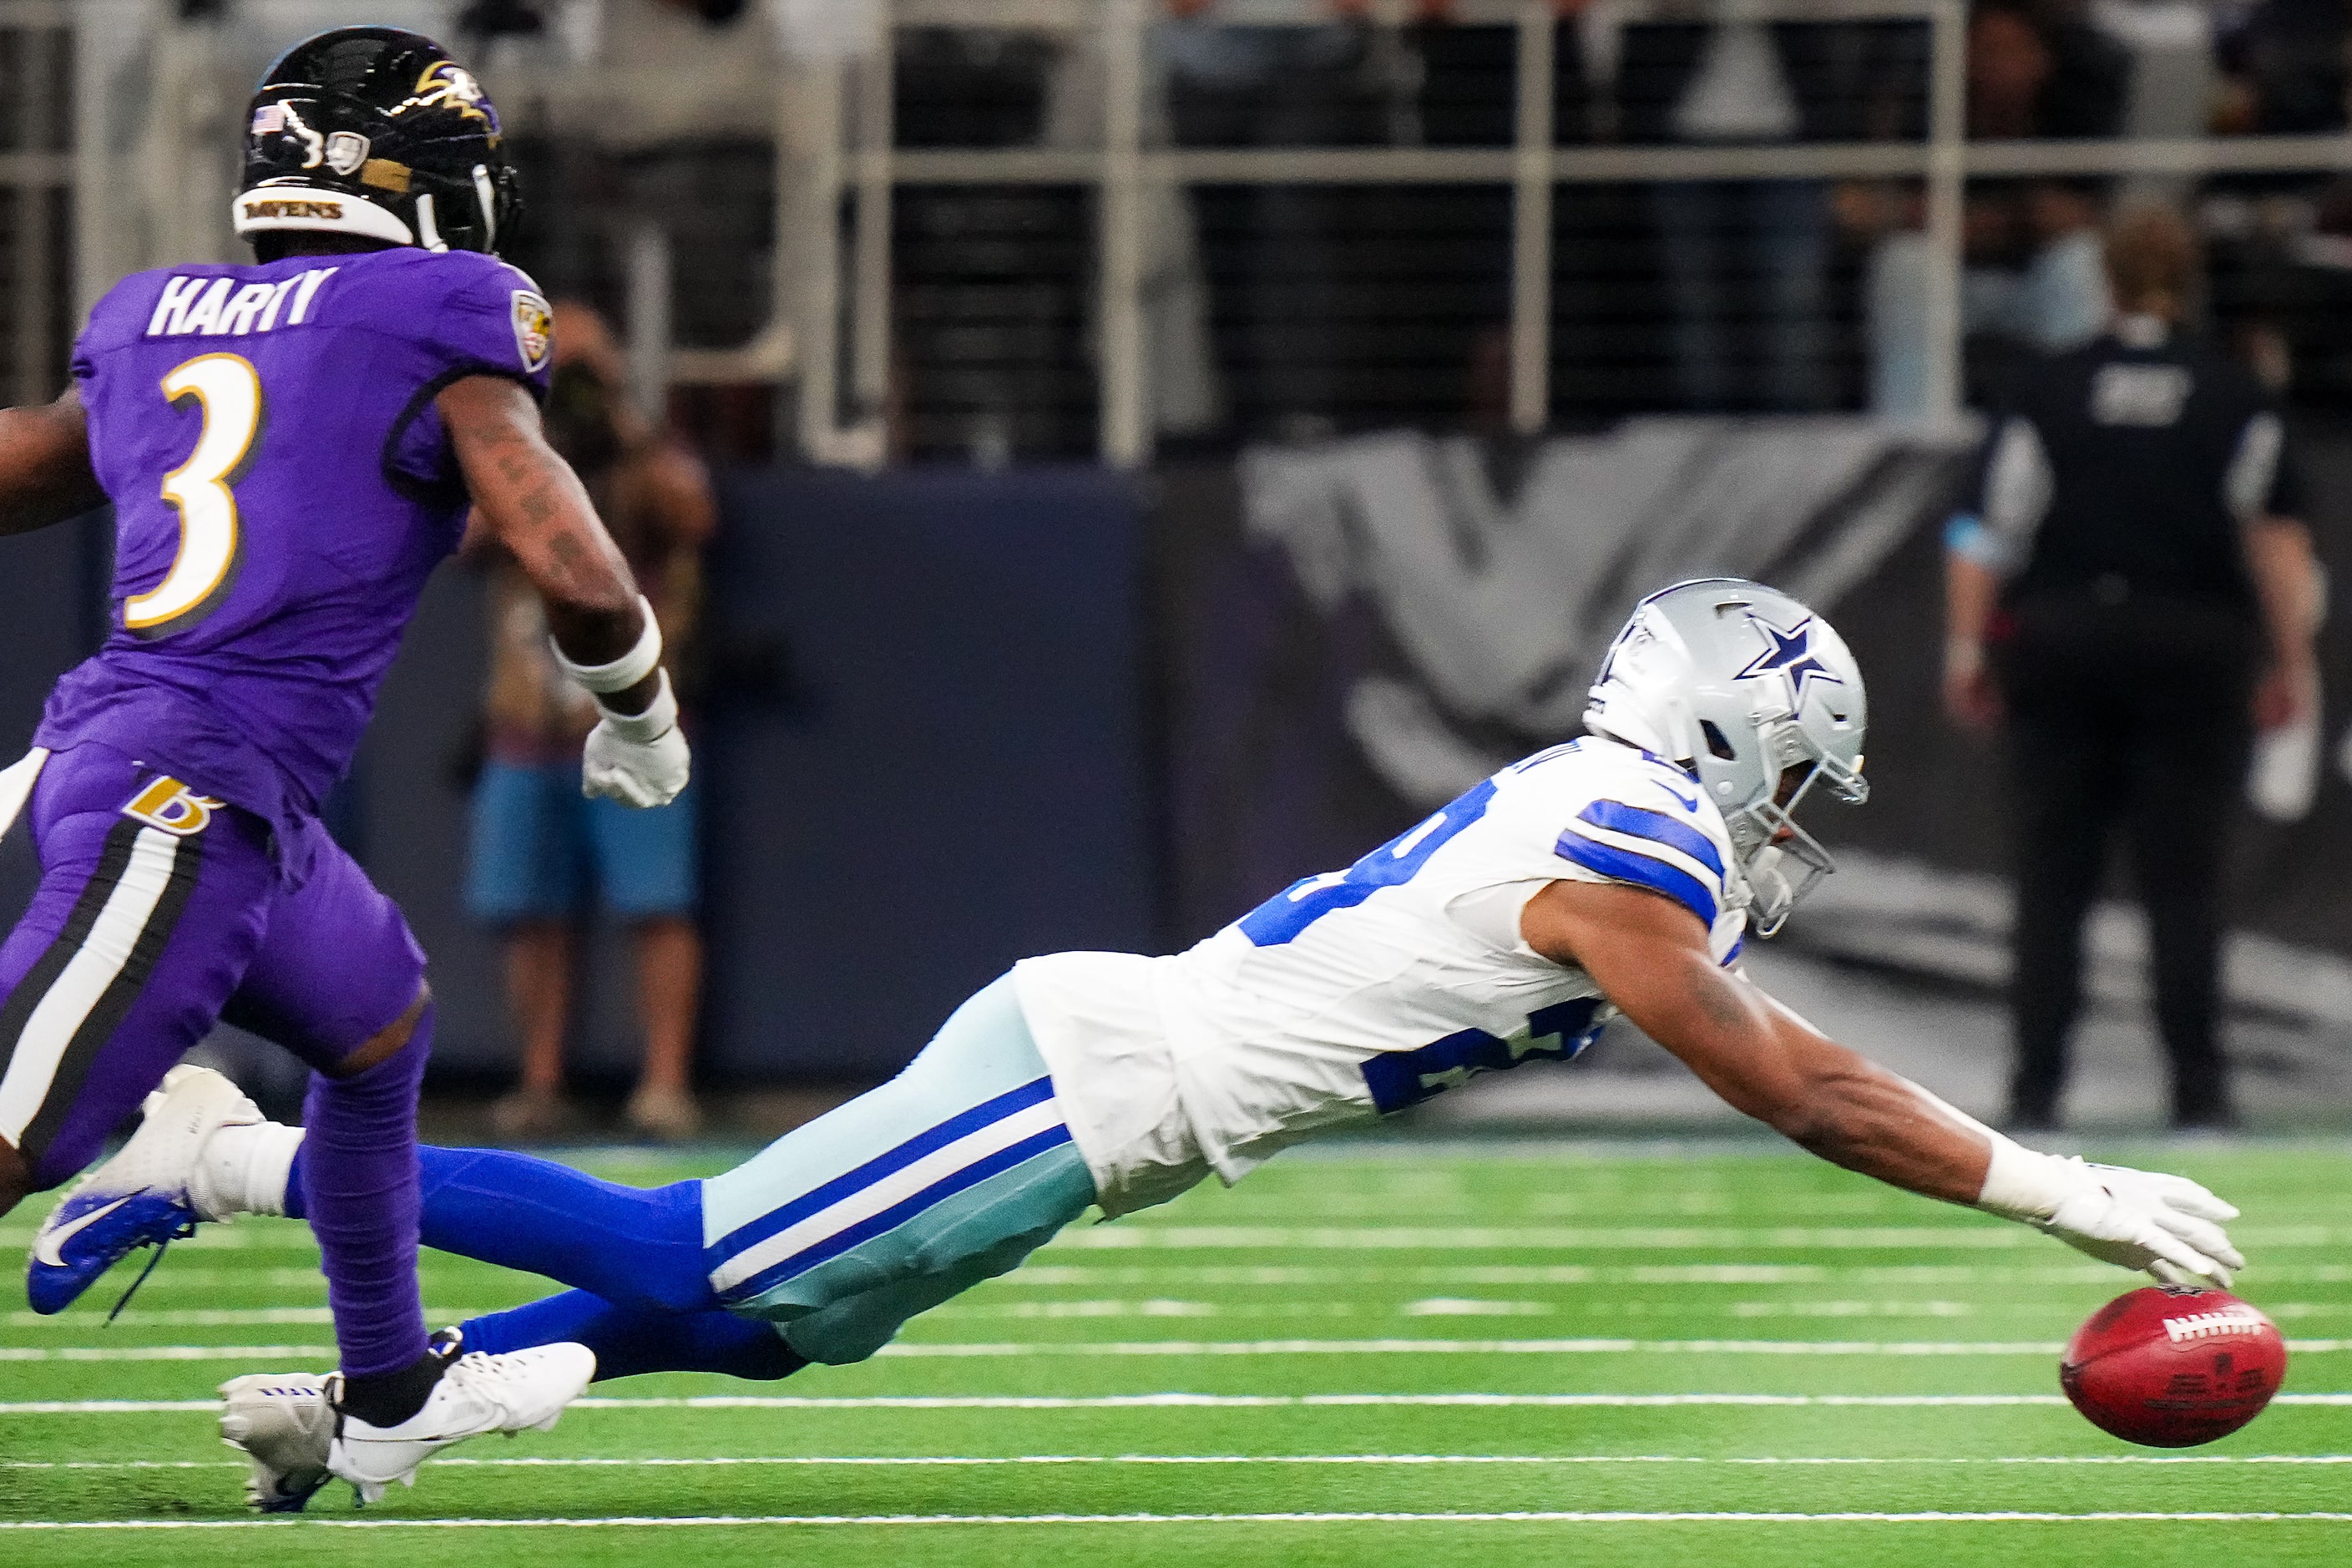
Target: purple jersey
[(282, 489)]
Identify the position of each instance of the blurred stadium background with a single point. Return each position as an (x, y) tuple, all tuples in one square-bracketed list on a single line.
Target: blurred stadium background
[(1164, 445)]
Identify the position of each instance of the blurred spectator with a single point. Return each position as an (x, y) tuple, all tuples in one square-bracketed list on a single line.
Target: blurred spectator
[(543, 855), (2058, 300), (2031, 247), (2283, 242), (1233, 86), (1747, 263), (2286, 68), (2062, 300), (1741, 257), (989, 323), (717, 13), (1186, 397), (2042, 67), (2132, 563)]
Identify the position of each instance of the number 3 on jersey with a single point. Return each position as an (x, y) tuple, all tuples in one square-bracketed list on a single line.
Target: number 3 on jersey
[(228, 391), (1282, 917)]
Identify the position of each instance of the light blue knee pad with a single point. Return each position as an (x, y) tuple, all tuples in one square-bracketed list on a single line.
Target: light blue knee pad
[(950, 1173)]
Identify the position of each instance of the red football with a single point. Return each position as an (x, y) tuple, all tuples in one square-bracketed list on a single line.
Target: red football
[(2171, 1368)]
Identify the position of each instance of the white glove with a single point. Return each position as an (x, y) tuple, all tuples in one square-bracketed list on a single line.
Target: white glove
[(2169, 1226), (637, 759)]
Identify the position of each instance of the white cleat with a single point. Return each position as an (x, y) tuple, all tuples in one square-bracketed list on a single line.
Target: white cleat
[(144, 1196), (520, 1391), (284, 1425)]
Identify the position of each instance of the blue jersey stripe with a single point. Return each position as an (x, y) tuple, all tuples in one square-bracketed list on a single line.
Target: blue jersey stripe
[(881, 1165), (897, 1214), (1656, 827), (1624, 866)]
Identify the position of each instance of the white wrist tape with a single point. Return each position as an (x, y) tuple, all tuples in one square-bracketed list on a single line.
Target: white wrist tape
[(625, 671), (659, 718), (2024, 1185)]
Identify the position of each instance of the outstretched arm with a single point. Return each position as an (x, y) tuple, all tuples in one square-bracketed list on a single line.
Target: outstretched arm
[(528, 499), (44, 471), (1650, 957)]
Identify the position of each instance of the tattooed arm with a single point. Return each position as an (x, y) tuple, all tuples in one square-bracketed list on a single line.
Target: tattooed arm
[(45, 470), (527, 499)]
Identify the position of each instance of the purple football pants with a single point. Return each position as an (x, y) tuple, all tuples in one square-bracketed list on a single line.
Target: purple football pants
[(160, 913)]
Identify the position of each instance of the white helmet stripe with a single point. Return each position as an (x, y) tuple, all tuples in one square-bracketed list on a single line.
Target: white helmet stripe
[(277, 208)]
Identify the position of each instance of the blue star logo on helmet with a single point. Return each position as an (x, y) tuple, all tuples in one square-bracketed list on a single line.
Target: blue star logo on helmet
[(1790, 653)]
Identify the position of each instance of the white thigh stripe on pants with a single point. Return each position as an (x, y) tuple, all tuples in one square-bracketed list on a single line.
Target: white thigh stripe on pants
[(890, 1189)]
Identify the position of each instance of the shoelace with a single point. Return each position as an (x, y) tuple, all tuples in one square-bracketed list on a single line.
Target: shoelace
[(490, 1378), (498, 1379), (186, 1229)]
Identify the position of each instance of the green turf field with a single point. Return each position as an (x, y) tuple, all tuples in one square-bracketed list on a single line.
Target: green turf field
[(1386, 1355)]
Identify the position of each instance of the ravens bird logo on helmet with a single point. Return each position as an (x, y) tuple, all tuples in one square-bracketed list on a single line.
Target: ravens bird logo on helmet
[(398, 139)]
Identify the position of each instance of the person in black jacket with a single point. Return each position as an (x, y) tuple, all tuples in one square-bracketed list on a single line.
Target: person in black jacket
[(2134, 592)]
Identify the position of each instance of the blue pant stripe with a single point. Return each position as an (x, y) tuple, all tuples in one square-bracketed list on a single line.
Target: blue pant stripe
[(898, 1213), (959, 1126)]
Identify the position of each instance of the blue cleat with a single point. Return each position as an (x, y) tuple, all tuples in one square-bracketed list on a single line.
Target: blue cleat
[(142, 1196)]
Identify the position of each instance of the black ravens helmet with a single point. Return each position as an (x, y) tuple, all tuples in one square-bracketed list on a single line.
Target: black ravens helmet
[(375, 132)]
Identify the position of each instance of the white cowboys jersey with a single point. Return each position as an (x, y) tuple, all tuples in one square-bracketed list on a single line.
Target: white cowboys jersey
[(1361, 991)]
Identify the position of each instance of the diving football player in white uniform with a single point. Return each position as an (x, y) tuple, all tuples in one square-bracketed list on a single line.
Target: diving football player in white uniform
[(1617, 873)]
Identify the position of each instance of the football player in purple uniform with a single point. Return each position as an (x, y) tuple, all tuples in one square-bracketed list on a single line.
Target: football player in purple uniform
[(290, 448)]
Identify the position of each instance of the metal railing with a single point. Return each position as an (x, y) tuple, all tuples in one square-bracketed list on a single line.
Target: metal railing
[(854, 160), (37, 177), (832, 124)]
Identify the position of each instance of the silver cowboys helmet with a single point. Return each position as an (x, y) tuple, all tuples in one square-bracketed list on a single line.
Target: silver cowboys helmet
[(1757, 698)]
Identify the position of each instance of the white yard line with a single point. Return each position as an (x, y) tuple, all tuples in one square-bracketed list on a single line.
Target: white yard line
[(1182, 1401), (223, 1317), (1612, 1305), (971, 1461), (1048, 1275), (173, 1276), (1453, 1238), (1165, 1308), (299, 1353), (214, 1238), (123, 1465), (1517, 1347), (895, 1520), (1636, 1238), (106, 1406)]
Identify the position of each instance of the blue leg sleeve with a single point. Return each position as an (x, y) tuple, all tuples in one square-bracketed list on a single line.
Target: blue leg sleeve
[(635, 1246), (629, 1341)]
